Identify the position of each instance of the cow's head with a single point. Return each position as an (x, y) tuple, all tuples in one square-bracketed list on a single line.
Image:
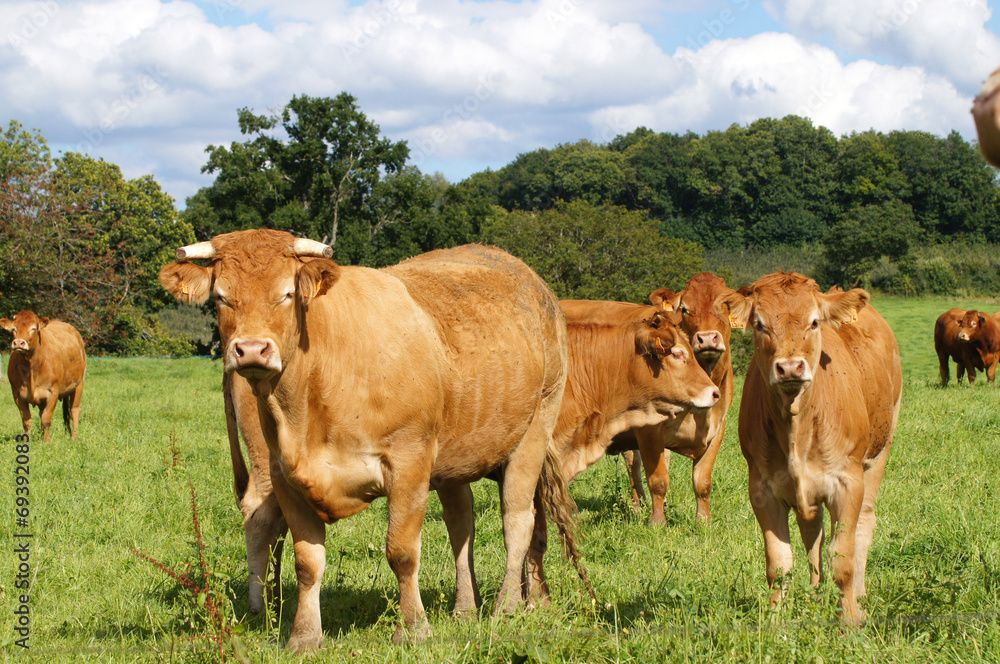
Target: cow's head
[(708, 332), (26, 328), (787, 312), (262, 282), (676, 381), (970, 325)]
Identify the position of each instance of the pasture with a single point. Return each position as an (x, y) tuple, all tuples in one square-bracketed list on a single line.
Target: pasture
[(685, 592)]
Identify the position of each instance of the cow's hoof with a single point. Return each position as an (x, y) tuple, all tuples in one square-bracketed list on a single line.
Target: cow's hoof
[(304, 643), (418, 634)]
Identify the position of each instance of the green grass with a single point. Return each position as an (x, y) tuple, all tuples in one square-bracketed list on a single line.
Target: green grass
[(681, 593)]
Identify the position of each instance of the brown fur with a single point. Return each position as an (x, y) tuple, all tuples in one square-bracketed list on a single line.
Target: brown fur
[(52, 368), (971, 339), (820, 405), (433, 373)]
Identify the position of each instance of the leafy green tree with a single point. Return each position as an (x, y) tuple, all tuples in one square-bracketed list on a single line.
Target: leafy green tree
[(322, 181), (590, 252), (855, 244)]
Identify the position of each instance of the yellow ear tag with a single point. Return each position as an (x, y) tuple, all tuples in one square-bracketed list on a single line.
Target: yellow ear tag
[(666, 306), (319, 285), (659, 346), (854, 316), (184, 288), (732, 322)]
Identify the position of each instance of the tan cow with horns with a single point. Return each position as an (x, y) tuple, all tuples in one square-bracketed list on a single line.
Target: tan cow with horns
[(820, 404), (429, 374)]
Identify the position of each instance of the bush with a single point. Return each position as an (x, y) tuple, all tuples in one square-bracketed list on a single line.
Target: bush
[(134, 334)]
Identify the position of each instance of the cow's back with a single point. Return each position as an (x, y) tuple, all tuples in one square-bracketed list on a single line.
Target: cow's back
[(504, 337)]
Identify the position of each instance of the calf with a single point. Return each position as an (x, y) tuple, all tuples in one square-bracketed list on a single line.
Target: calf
[(971, 339), (820, 405), (47, 363)]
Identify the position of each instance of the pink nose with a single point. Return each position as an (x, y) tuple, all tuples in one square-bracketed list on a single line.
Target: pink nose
[(19, 344), (252, 352), (792, 370), (708, 339)]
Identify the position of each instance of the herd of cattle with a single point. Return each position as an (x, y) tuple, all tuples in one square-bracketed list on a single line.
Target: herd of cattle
[(349, 383)]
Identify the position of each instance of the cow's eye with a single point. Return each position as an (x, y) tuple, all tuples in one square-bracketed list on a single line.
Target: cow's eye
[(815, 324), (685, 311), (221, 301), (678, 353), (289, 296), (758, 324)]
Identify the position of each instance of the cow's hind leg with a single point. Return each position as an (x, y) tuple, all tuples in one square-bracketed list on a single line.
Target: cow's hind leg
[(633, 462), (701, 476), (48, 410), (943, 368), (517, 491), (25, 408), (74, 411), (459, 518)]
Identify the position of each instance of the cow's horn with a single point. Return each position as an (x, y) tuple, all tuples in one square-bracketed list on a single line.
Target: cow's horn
[(303, 246), (193, 251)]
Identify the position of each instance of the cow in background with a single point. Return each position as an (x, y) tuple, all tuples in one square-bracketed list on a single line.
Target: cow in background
[(972, 339), (820, 404), (47, 363), (432, 373)]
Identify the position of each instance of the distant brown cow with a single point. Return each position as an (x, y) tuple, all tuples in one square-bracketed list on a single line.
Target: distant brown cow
[(636, 373), (47, 363), (432, 373), (700, 435), (820, 405), (972, 339)]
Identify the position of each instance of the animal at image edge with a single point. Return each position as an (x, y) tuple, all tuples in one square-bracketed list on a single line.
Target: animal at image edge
[(820, 404), (700, 433), (432, 373), (971, 339), (47, 364)]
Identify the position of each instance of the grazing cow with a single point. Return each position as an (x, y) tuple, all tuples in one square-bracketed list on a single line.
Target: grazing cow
[(47, 363), (819, 407), (636, 373), (972, 339), (986, 113), (432, 373), (263, 523), (699, 437)]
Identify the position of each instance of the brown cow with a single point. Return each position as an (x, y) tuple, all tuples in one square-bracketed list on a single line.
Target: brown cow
[(432, 373), (263, 523), (986, 114), (700, 436), (637, 373), (819, 408), (972, 339), (47, 363)]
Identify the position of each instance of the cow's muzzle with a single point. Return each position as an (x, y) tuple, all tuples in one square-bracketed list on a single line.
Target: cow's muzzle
[(707, 399), (19, 345), (791, 373), (708, 344), (253, 358)]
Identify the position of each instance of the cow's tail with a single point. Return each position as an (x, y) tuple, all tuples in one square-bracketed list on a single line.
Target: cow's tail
[(67, 404), (559, 504), (241, 478)]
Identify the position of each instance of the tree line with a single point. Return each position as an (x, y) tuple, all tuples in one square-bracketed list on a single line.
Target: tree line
[(608, 221)]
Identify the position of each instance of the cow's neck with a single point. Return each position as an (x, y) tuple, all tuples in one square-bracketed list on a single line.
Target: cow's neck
[(794, 418)]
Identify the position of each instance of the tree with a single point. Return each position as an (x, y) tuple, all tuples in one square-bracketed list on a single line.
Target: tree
[(590, 252), (320, 181), (856, 243)]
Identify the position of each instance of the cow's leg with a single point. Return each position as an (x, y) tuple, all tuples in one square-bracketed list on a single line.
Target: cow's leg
[(407, 508), (701, 476), (536, 590), (633, 462), (991, 372), (48, 410), (972, 372), (845, 508), (866, 520), (25, 409), (265, 529), (459, 518), (309, 543), (74, 410), (959, 370), (520, 479), (812, 537), (943, 368), (772, 517), (656, 463)]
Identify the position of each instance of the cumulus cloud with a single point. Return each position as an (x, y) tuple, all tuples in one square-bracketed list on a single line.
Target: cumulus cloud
[(946, 37), (149, 83)]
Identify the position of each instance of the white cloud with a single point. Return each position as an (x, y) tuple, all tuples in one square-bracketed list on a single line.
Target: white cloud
[(947, 37)]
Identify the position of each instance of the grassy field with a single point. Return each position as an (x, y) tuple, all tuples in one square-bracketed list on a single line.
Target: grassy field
[(681, 593)]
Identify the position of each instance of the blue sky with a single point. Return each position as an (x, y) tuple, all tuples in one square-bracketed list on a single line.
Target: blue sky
[(148, 84)]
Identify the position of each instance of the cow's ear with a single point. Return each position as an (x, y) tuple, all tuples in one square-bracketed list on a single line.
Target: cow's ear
[(650, 341), (735, 307), (665, 299), (316, 277), (186, 281), (842, 308), (7, 324), (982, 320), (42, 322)]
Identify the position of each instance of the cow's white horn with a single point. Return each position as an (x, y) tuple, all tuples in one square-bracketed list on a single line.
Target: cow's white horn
[(303, 246), (193, 251)]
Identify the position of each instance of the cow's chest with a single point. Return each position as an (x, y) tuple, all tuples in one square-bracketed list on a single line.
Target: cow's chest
[(803, 484), (696, 432), (336, 487)]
